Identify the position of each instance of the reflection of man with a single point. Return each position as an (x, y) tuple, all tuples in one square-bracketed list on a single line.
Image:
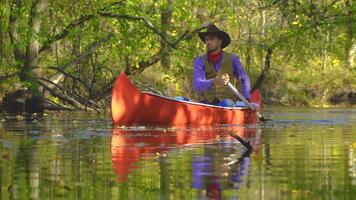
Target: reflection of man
[(213, 190), (203, 176), (244, 164), (216, 68), (212, 172)]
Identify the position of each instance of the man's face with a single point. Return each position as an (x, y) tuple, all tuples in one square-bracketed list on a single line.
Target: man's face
[(212, 43)]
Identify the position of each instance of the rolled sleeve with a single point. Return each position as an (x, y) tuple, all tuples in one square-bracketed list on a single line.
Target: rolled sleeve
[(200, 83), (242, 76)]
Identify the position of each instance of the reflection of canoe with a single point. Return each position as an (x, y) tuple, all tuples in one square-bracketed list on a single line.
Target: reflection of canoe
[(128, 147), (131, 106)]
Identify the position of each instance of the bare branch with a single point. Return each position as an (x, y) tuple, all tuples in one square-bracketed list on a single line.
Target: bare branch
[(72, 77), (131, 69), (112, 6), (106, 90), (87, 52), (65, 32), (186, 35), (51, 105), (268, 6), (190, 33), (7, 76), (79, 59), (78, 101), (163, 52), (148, 23), (61, 69), (63, 97)]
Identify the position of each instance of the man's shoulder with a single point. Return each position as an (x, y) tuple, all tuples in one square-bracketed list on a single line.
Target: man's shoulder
[(230, 54), (233, 56), (200, 58)]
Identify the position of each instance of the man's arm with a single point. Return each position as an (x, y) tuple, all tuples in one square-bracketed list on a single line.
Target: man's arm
[(242, 76), (200, 83)]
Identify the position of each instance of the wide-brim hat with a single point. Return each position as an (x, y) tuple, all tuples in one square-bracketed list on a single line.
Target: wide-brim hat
[(213, 30)]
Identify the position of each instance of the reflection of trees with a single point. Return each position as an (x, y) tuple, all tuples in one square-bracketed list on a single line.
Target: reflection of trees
[(21, 167), (164, 178), (25, 171), (307, 162), (34, 174), (47, 160), (352, 165)]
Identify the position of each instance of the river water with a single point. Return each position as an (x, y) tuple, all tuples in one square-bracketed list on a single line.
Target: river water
[(298, 154)]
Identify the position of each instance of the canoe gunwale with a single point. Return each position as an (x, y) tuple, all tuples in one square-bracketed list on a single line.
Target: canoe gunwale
[(131, 106), (195, 103)]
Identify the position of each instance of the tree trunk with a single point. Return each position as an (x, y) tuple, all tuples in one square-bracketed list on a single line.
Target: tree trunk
[(166, 15), (263, 30), (264, 72), (1, 41), (27, 57), (19, 53), (35, 22), (248, 51), (350, 46), (323, 65)]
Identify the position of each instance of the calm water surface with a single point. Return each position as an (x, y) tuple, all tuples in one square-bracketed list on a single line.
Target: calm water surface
[(300, 154)]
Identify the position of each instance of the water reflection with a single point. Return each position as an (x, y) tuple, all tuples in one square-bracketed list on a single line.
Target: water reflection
[(352, 163), (219, 170), (47, 158), (80, 156), (218, 162)]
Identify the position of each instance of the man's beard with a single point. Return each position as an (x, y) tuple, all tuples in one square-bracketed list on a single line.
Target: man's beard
[(212, 49)]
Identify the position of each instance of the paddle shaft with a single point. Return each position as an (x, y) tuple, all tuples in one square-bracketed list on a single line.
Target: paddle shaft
[(237, 93)]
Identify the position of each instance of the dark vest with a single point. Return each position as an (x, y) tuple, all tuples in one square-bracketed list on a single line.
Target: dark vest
[(217, 93)]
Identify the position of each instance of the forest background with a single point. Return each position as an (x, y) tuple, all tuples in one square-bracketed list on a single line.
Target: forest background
[(300, 53)]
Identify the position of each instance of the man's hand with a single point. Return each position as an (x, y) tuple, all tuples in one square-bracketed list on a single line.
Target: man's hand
[(221, 80)]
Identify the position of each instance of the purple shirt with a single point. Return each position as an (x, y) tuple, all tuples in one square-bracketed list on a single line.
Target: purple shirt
[(201, 84)]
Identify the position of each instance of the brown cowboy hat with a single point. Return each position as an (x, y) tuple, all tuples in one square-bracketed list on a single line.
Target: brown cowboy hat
[(213, 30)]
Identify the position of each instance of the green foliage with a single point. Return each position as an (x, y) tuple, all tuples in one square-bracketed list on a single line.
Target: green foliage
[(313, 42)]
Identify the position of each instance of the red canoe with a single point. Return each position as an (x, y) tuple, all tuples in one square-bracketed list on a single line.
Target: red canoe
[(131, 106)]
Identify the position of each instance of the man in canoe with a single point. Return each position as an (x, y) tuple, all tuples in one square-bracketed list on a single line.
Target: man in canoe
[(213, 70)]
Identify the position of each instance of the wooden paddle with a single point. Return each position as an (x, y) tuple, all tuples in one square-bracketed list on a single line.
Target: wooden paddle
[(245, 144), (237, 93)]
